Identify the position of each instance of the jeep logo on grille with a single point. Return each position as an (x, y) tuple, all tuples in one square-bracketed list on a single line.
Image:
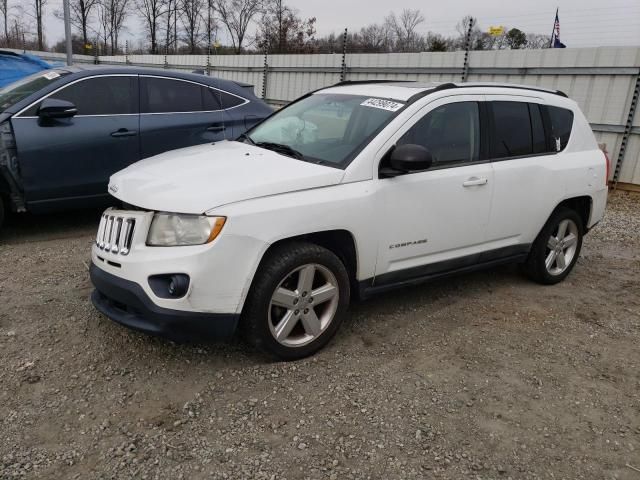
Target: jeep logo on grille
[(113, 188)]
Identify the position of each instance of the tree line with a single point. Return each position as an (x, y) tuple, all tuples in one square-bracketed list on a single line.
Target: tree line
[(195, 26)]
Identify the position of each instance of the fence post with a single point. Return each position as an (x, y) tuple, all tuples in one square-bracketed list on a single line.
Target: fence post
[(209, 61), (96, 52), (24, 44), (627, 131), (265, 73), (343, 69), (467, 49), (126, 52), (166, 63)]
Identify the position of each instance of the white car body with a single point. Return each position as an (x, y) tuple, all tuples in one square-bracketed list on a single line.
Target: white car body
[(489, 211)]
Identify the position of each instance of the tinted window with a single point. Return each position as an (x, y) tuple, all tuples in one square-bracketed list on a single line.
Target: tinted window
[(229, 101), (163, 96), (212, 99), (98, 96), (512, 130), (450, 132), (21, 89), (537, 129), (561, 122)]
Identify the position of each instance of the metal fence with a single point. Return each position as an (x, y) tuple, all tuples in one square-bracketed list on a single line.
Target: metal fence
[(605, 81)]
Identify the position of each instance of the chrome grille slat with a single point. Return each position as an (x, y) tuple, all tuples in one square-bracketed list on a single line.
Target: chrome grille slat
[(115, 233)]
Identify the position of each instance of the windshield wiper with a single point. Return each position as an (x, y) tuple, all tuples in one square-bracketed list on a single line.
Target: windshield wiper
[(281, 148), (243, 137)]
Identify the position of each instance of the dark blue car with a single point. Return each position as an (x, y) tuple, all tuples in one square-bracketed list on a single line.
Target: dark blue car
[(63, 132)]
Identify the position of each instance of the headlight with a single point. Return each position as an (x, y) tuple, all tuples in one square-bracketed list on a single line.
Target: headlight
[(174, 229)]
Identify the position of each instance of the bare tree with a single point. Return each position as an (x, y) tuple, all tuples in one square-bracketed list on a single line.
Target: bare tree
[(236, 15), (375, 37), (191, 18), (80, 17), (4, 9), (112, 15), (479, 40), (151, 11), (537, 40), (36, 12), (404, 28)]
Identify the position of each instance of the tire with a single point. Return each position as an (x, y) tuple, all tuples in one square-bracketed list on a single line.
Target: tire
[(543, 264), (2, 202), (281, 316)]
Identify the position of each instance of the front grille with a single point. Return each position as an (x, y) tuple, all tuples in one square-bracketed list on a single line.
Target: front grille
[(115, 233)]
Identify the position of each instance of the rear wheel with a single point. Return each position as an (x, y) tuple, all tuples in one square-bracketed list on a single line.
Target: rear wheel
[(297, 301), (556, 250), (2, 203)]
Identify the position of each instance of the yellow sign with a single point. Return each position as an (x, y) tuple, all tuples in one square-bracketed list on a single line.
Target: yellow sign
[(88, 46), (496, 31), (216, 44)]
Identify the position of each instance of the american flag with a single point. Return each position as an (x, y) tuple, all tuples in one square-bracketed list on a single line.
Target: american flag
[(555, 36)]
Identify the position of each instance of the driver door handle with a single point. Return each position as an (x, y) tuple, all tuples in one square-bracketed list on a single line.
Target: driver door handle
[(123, 132), (475, 182)]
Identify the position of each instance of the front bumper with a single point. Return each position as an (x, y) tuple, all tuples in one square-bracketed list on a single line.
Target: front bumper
[(125, 302)]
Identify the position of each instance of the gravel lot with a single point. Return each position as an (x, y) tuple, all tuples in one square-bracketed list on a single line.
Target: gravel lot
[(484, 376)]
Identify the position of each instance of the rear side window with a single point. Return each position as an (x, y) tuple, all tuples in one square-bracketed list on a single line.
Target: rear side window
[(512, 134), (216, 99), (228, 100), (561, 121), (537, 129), (162, 95), (99, 96)]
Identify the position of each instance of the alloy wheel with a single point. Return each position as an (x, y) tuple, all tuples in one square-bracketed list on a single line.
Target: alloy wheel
[(303, 305), (561, 247)]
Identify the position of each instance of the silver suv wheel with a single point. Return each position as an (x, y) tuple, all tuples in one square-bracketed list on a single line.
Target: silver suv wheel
[(561, 247), (303, 305)]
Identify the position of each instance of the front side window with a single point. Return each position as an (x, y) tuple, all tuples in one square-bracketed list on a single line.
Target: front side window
[(99, 96), (17, 91), (512, 130), (325, 128), (450, 132)]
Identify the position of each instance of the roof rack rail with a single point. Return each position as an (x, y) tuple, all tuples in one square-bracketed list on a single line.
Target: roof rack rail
[(364, 82), (515, 87)]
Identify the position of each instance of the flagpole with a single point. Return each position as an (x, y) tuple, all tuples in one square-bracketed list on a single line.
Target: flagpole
[(553, 31)]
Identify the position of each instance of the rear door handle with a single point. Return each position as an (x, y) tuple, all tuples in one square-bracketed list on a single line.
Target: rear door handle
[(216, 128), (123, 132), (475, 182)]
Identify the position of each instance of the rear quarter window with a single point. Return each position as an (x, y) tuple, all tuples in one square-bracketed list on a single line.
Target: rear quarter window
[(560, 123)]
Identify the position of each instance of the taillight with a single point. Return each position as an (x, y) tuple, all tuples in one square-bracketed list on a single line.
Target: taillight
[(606, 178)]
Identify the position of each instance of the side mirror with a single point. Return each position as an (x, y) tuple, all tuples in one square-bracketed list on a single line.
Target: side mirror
[(410, 157), (54, 108)]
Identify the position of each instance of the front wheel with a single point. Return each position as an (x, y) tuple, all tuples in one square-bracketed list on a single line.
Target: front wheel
[(1, 211), (556, 250), (297, 301)]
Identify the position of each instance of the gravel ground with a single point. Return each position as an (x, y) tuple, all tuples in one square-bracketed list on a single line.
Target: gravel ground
[(483, 376)]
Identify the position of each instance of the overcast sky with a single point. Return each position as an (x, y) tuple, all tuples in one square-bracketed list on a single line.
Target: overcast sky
[(582, 22)]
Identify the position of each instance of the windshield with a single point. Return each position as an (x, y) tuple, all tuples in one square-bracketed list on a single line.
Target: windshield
[(325, 128), (16, 91)]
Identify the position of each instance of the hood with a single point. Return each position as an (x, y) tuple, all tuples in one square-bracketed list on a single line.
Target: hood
[(199, 178)]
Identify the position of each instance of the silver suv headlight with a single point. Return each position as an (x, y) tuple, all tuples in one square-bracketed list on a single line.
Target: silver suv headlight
[(174, 229)]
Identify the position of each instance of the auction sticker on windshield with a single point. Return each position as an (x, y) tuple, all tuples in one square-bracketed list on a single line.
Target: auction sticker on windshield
[(51, 75), (382, 104)]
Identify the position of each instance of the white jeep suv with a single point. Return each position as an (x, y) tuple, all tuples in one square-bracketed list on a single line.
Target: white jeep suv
[(348, 191)]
